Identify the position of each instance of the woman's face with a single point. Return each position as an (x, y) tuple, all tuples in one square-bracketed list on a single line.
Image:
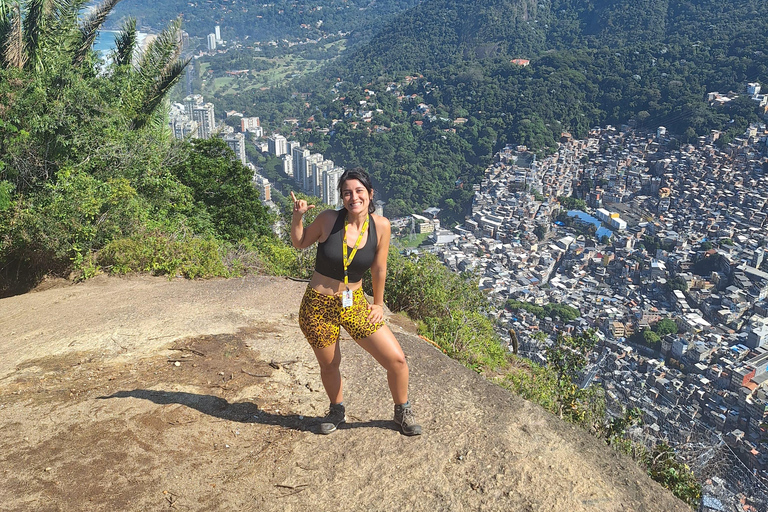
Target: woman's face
[(355, 196)]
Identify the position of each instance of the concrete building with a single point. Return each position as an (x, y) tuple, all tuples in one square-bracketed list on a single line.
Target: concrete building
[(236, 141), (217, 32), (183, 128), (298, 155), (203, 115), (288, 164), (278, 145), (248, 124), (330, 188), (190, 102), (263, 186), (211, 42), (308, 173)]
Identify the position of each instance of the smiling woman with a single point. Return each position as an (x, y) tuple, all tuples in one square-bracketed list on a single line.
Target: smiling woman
[(350, 241)]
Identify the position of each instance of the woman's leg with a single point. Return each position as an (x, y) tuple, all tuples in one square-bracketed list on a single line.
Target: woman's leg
[(329, 359), (383, 346)]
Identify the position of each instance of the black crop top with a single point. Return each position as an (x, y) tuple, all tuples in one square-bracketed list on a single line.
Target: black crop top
[(330, 259)]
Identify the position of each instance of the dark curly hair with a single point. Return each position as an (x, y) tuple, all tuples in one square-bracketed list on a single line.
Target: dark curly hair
[(359, 174)]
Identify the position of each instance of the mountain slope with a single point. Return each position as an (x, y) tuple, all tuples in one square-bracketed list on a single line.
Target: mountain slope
[(96, 414)]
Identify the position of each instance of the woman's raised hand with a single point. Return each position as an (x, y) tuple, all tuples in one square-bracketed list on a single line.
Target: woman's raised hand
[(300, 206)]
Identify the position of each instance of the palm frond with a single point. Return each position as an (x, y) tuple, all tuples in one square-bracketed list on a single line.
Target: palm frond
[(6, 17), (6, 7), (13, 51), (41, 30), (159, 89), (34, 26), (89, 28), (161, 52), (125, 44)]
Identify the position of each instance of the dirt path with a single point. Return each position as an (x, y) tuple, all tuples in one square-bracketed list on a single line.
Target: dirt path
[(147, 394)]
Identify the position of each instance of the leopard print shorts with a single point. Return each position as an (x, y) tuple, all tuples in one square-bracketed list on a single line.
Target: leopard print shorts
[(321, 316)]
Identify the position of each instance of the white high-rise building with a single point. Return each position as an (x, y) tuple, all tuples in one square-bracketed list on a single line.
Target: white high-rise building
[(288, 164), (331, 194), (264, 187), (309, 173), (299, 155), (211, 42), (249, 124), (236, 141), (278, 145), (206, 123), (183, 128), (217, 32), (321, 168), (190, 102)]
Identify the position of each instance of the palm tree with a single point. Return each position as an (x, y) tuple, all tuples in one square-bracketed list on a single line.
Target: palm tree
[(47, 33)]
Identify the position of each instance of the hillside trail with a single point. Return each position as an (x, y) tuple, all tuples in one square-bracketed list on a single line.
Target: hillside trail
[(143, 393)]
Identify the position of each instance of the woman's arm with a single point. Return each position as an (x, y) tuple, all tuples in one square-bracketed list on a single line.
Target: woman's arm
[(379, 269), (302, 237)]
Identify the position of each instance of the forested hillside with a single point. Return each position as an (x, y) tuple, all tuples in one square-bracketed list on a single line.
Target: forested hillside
[(261, 21), (647, 63)]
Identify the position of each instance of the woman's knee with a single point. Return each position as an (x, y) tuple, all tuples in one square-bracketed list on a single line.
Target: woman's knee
[(397, 363), (329, 367), (329, 358)]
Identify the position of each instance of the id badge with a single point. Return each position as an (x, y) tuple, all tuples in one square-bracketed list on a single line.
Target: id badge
[(347, 299)]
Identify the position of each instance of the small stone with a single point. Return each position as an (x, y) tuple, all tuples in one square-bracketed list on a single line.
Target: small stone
[(177, 363), (49, 468)]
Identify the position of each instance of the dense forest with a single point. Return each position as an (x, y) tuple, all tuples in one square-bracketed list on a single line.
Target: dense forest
[(258, 21)]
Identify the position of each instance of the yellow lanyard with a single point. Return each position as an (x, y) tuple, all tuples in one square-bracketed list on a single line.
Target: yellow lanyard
[(348, 260)]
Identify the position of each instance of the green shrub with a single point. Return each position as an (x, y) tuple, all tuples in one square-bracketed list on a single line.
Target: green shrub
[(467, 336), (662, 466), (423, 287), (161, 253), (282, 259)]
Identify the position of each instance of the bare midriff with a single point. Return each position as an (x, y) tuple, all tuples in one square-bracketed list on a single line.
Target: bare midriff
[(329, 286)]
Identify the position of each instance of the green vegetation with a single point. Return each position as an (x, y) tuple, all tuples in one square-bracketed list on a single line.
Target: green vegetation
[(90, 180), (553, 310), (665, 326), (590, 64), (662, 465), (571, 203), (677, 283), (707, 263), (411, 241), (652, 337), (276, 20)]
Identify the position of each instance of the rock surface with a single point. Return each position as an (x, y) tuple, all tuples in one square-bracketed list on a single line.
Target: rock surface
[(96, 414)]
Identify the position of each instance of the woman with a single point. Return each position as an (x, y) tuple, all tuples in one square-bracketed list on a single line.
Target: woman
[(350, 241)]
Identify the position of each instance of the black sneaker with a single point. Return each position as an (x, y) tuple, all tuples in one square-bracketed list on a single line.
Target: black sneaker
[(335, 417), (405, 417)]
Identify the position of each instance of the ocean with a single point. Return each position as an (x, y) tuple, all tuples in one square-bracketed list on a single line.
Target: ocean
[(105, 41)]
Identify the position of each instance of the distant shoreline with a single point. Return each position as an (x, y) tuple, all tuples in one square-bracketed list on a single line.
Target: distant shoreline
[(107, 43)]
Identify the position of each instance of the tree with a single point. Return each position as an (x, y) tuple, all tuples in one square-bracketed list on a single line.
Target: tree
[(663, 466), (666, 326), (651, 338), (222, 186), (567, 357)]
